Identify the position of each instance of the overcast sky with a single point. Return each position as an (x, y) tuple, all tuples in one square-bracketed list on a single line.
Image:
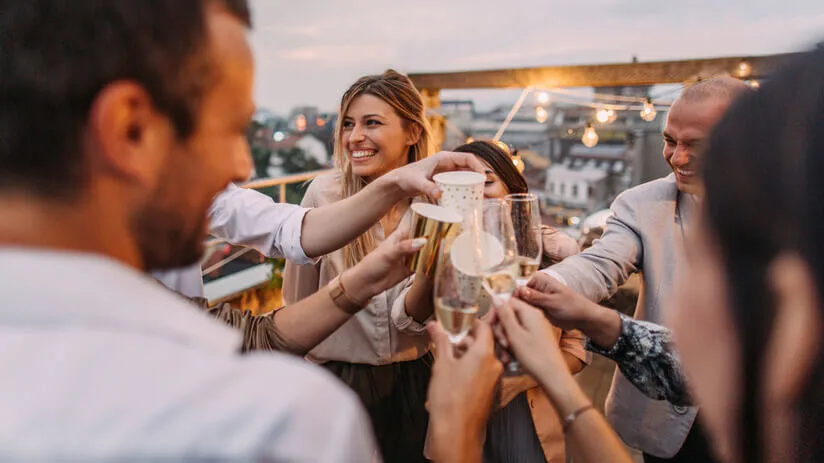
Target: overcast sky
[(309, 52)]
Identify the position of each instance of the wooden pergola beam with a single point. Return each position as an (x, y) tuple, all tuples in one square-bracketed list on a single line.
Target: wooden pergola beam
[(601, 75)]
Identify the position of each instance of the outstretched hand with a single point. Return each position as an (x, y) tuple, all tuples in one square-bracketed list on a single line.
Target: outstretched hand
[(416, 178)]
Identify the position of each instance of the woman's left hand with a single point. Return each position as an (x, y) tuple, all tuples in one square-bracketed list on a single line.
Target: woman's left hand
[(382, 268)]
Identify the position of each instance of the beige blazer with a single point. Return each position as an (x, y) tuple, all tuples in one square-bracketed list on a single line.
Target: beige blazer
[(643, 235)]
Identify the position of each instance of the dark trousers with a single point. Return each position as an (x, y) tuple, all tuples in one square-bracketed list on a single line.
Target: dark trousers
[(394, 395), (696, 449)]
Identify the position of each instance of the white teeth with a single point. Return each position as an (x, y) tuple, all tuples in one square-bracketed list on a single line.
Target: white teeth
[(686, 173), (362, 154)]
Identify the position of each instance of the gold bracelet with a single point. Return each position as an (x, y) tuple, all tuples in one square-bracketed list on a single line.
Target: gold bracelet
[(342, 299), (574, 416)]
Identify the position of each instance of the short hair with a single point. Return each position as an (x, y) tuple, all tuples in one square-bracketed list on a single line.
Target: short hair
[(717, 88), (57, 55)]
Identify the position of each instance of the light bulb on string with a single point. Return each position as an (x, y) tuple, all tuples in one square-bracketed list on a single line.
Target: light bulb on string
[(754, 84), (590, 137), (611, 116), (541, 115), (648, 113), (606, 115), (543, 97), (602, 115)]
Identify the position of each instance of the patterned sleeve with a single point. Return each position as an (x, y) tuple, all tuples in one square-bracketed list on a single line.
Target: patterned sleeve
[(645, 356)]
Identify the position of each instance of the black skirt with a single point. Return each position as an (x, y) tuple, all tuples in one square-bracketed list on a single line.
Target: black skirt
[(395, 398)]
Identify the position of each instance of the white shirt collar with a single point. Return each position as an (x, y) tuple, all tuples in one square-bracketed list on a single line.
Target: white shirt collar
[(40, 287)]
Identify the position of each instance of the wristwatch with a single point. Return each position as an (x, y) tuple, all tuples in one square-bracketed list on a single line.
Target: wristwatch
[(342, 299)]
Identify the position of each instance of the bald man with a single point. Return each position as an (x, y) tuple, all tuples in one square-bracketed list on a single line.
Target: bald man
[(645, 235)]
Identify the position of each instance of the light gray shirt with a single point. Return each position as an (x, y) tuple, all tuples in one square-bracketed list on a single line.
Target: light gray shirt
[(101, 363), (245, 217)]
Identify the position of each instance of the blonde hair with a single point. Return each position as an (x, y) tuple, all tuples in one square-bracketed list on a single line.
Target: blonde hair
[(398, 91)]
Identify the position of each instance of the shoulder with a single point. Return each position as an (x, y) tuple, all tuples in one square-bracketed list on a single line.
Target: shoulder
[(652, 191), (158, 396), (323, 189)]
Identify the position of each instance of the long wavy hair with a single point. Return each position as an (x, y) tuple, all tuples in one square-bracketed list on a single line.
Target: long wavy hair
[(398, 91)]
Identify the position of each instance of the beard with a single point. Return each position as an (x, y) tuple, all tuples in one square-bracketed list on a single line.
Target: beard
[(166, 240), (170, 228)]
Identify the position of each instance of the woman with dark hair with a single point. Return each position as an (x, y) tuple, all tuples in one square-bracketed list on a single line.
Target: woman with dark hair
[(502, 178), (527, 427), (748, 314)]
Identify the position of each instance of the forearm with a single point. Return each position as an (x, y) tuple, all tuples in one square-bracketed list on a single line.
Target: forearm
[(330, 227), (645, 356), (567, 397), (454, 441), (311, 320), (306, 323), (601, 325), (418, 302)]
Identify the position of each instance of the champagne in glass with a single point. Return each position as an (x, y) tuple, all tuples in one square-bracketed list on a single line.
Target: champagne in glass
[(457, 284), (497, 243), (526, 223)]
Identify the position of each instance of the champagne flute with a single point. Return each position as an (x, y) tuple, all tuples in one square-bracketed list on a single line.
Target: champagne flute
[(499, 258), (498, 249), (458, 284), (526, 222)]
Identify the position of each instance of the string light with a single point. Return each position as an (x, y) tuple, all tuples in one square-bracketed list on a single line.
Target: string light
[(606, 116), (590, 137), (469, 140), (648, 113), (754, 84), (541, 115), (543, 97), (744, 69), (278, 136), (602, 115)]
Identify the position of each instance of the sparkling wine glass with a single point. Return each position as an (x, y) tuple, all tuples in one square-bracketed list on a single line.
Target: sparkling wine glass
[(498, 249), (526, 222), (458, 284)]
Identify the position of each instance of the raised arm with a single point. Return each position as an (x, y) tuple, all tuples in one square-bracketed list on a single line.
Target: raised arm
[(299, 327), (598, 271), (354, 215), (530, 336), (643, 351)]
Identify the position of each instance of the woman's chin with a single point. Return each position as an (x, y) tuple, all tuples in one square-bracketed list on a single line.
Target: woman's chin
[(368, 168)]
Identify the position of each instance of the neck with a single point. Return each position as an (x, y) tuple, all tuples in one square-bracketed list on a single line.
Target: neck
[(82, 225)]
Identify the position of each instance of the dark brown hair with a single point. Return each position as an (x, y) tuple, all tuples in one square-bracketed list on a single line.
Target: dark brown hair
[(501, 162), (767, 156)]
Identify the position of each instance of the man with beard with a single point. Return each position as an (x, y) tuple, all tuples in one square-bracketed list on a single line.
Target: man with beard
[(644, 235), (119, 123)]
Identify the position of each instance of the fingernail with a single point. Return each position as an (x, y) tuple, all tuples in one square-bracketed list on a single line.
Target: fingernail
[(436, 192), (418, 243)]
